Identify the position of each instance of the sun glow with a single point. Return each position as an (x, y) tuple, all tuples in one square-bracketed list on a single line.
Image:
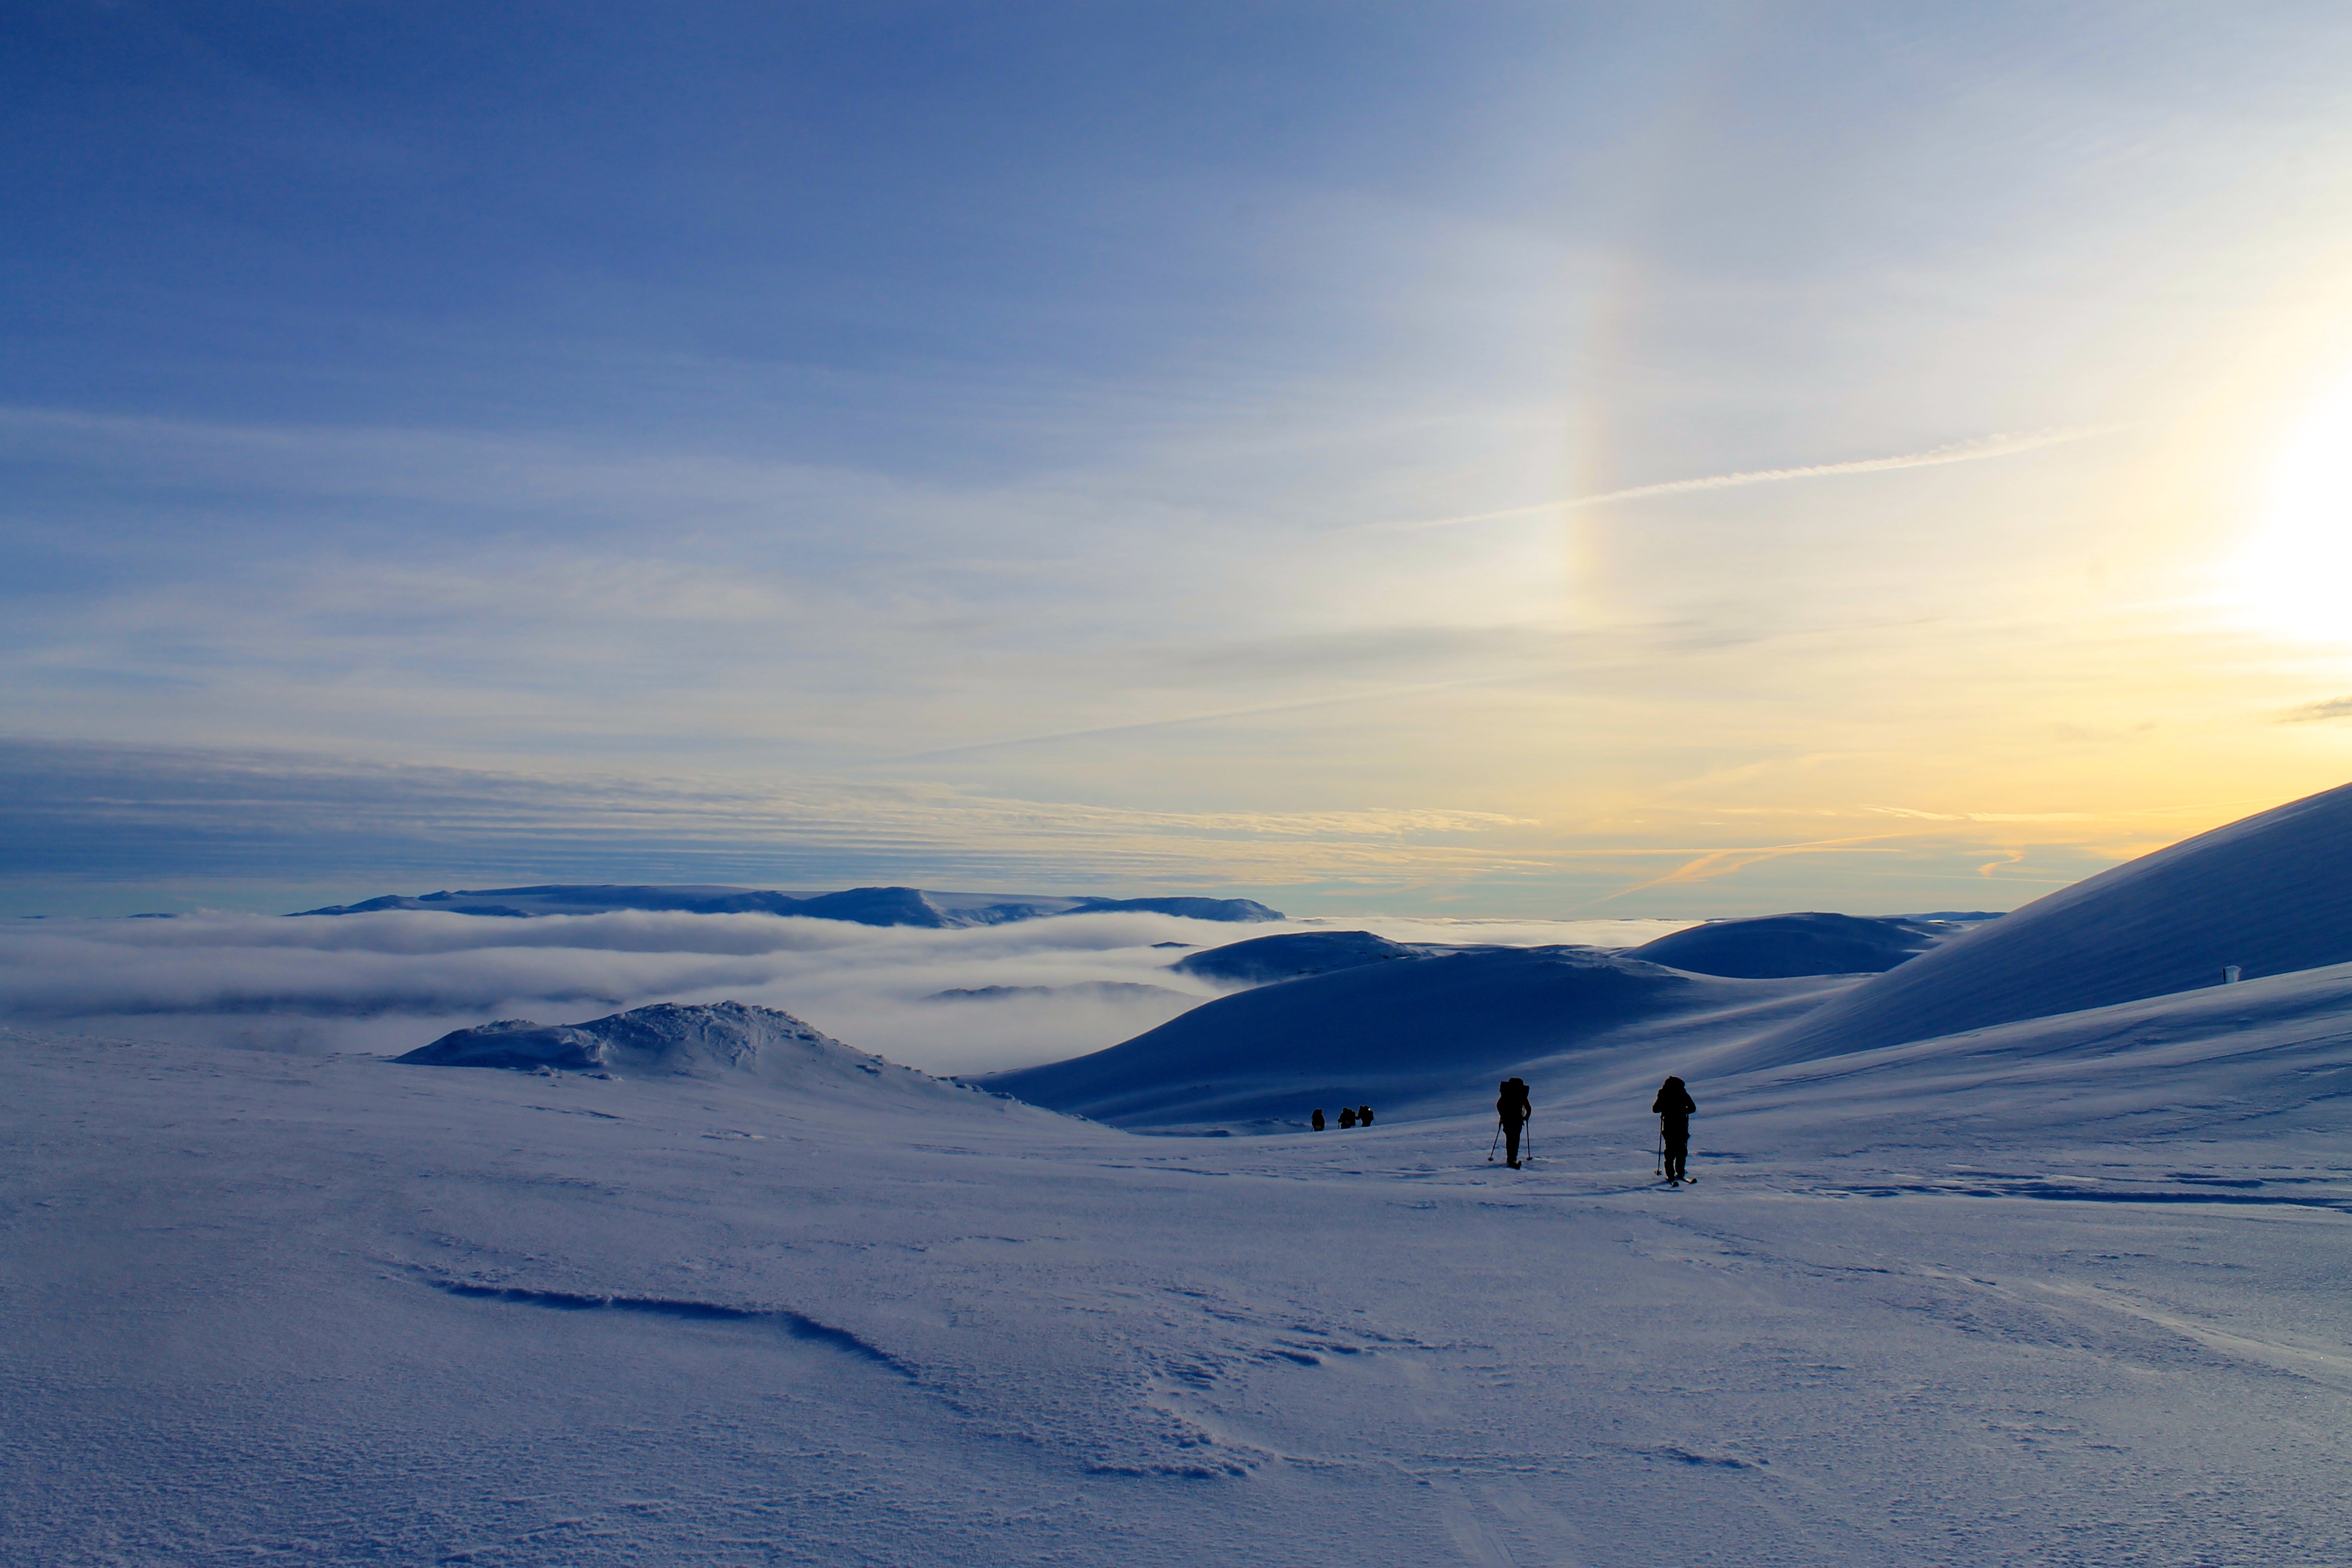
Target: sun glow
[(2298, 569)]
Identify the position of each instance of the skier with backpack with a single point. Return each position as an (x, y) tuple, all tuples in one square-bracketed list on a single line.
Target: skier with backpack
[(1512, 1108), (1673, 1108)]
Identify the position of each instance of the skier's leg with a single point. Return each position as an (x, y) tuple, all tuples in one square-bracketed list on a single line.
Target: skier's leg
[(1511, 1142)]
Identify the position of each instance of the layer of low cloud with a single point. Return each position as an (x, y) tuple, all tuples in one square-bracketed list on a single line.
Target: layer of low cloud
[(387, 983)]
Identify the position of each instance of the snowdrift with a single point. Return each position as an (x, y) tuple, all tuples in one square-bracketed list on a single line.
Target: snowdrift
[(713, 1042), (862, 906), (2272, 894), (1775, 947), (1425, 1030)]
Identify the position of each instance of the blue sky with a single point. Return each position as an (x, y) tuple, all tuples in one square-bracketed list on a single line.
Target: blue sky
[(991, 445)]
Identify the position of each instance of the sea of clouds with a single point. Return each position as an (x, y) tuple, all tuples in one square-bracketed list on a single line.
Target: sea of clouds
[(388, 983)]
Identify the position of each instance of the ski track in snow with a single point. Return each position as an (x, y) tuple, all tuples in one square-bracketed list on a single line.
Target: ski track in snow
[(266, 1309)]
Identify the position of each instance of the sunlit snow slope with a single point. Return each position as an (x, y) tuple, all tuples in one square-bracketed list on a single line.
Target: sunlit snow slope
[(2271, 894)]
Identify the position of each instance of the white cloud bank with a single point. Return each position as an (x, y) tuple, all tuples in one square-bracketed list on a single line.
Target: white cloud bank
[(390, 982)]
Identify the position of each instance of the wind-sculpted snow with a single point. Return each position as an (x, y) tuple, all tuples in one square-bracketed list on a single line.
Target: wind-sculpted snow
[(799, 1325), (2271, 894), (1423, 1033), (1776, 947)]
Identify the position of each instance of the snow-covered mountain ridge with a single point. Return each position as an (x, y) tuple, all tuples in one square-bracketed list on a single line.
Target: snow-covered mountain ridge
[(864, 906)]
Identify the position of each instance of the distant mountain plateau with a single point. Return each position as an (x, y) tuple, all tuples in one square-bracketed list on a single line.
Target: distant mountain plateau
[(861, 906)]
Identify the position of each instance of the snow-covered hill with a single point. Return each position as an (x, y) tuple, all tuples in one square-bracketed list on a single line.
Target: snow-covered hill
[(2271, 894), (1418, 1034), (1264, 959), (1775, 947), (714, 1042)]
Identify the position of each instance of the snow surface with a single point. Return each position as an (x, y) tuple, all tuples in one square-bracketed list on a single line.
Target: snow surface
[(2068, 1293)]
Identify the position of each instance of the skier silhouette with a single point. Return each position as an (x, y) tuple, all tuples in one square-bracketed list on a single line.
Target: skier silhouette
[(1512, 1107), (1363, 1115), (1318, 1123), (1673, 1108), (1346, 1116)]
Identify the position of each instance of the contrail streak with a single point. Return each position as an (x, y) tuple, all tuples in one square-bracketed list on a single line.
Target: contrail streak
[(1970, 451), (1181, 719)]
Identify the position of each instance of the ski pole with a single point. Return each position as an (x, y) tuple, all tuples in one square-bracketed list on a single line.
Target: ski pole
[(1662, 1148), (1498, 1139)]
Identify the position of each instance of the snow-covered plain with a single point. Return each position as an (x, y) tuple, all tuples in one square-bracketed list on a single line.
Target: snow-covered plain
[(274, 1310), (2067, 1289)]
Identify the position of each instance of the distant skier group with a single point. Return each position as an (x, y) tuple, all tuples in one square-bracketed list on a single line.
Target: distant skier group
[(1350, 1115)]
